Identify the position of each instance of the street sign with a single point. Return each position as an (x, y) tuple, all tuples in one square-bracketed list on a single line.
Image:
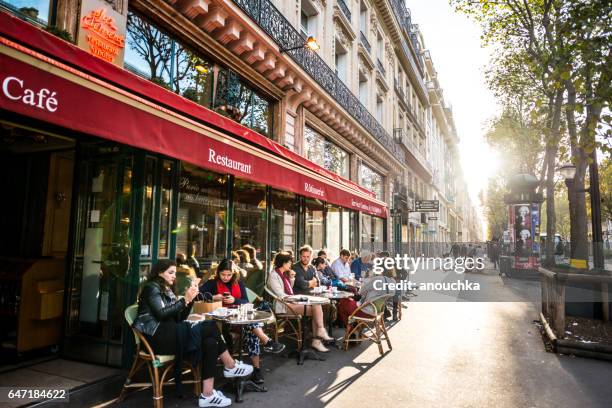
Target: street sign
[(427, 206), (432, 218)]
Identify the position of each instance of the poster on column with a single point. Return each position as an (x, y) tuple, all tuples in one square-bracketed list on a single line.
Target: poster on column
[(523, 236)]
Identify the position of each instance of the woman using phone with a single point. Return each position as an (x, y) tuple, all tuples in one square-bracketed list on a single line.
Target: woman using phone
[(229, 289), (159, 314)]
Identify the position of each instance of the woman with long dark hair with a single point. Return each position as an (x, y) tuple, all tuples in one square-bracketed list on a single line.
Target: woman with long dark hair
[(281, 280), (229, 289), (161, 317)]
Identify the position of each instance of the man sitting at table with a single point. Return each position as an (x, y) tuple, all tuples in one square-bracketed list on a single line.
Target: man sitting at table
[(305, 274), (342, 267), (227, 288)]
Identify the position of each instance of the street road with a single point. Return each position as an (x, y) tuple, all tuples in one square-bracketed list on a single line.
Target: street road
[(451, 354)]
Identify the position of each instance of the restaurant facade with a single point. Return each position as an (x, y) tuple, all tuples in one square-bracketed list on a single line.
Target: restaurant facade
[(112, 165)]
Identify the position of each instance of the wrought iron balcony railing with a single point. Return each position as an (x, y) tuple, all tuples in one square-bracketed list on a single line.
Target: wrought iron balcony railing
[(365, 42), (272, 21), (342, 5), (381, 68)]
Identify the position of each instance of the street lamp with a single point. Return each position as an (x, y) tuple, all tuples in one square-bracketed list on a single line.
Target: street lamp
[(310, 44), (568, 171)]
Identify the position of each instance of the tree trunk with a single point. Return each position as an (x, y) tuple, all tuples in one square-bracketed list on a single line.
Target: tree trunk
[(551, 154), (577, 200)]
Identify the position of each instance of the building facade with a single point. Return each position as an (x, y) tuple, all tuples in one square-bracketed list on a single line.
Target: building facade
[(136, 130)]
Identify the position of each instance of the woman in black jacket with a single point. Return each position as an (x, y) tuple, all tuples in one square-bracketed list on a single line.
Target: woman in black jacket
[(160, 316)]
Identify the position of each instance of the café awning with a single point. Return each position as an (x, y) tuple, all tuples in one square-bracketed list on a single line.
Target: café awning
[(44, 77)]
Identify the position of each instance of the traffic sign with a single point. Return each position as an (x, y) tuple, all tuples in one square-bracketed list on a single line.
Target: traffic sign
[(432, 218)]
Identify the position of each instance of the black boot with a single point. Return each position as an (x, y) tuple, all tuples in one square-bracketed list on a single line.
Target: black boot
[(257, 377)]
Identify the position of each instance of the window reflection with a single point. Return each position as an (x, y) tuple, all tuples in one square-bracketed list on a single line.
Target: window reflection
[(165, 209), (156, 56), (325, 153), (201, 224), (147, 208), (250, 230), (333, 231), (36, 11), (285, 209), (314, 223), (372, 228), (249, 215), (371, 180)]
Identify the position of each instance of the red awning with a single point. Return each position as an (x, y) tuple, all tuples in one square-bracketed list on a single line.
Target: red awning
[(83, 102)]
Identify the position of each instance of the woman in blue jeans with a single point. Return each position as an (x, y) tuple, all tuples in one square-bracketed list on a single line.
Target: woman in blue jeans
[(229, 289)]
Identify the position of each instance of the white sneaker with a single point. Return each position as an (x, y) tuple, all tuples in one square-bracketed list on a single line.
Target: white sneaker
[(239, 370), (216, 399)]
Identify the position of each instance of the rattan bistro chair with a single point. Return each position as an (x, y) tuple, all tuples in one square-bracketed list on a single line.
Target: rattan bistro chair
[(288, 324), (155, 363), (368, 328)]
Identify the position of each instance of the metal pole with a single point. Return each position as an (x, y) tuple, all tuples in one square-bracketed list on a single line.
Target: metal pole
[(598, 258)]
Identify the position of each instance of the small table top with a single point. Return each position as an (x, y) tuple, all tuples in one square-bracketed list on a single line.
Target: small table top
[(306, 300), (257, 316), (341, 294)]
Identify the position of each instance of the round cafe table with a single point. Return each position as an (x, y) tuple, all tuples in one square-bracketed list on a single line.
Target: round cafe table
[(334, 298), (233, 319), (306, 301)]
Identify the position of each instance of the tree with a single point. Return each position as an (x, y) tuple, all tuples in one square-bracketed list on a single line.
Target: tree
[(527, 35), (606, 188), (587, 81), (556, 54), (495, 210)]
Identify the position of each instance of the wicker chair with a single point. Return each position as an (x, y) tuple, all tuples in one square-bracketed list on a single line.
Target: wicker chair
[(155, 363), (373, 327), (287, 324)]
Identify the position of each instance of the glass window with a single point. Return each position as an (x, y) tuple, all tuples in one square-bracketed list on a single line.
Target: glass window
[(165, 209), (285, 209), (366, 228), (202, 214), (154, 55), (36, 11), (325, 153), (249, 216), (346, 229), (371, 180), (147, 208), (333, 231), (238, 101), (378, 229), (372, 229), (314, 223)]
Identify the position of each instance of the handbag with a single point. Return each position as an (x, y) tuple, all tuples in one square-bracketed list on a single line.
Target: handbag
[(205, 305)]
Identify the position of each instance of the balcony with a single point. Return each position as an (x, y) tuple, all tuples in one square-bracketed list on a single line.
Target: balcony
[(342, 5), (364, 41), (282, 32), (418, 154)]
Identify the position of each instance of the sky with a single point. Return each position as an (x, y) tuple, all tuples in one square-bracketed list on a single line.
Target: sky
[(454, 43)]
